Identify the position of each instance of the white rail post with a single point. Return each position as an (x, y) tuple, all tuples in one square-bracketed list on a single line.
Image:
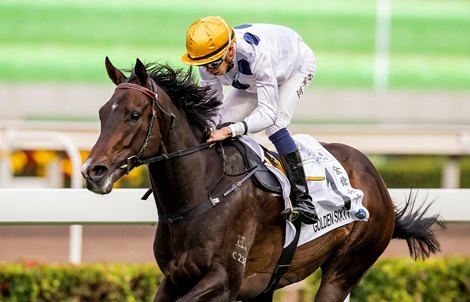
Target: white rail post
[(71, 149), (451, 173)]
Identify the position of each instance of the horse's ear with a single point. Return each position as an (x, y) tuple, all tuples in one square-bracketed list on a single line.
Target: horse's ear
[(141, 72), (114, 74)]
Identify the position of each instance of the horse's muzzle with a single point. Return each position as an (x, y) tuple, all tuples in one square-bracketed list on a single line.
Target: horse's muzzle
[(96, 173), (95, 176)]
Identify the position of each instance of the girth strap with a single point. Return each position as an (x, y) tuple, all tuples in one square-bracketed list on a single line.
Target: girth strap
[(284, 262)]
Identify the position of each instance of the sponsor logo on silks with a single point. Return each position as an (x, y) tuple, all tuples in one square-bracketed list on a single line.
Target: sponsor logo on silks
[(361, 214), (330, 219)]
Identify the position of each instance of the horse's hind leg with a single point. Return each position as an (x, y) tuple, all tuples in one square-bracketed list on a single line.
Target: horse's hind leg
[(343, 270), (367, 240), (331, 291), (338, 280)]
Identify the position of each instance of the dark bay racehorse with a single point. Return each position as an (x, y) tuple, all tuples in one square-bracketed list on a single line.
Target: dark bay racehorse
[(216, 248)]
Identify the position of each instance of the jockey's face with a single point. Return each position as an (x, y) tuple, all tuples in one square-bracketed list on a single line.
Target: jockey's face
[(222, 66)]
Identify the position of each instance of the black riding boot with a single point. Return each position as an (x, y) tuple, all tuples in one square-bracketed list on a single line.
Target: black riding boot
[(302, 207)]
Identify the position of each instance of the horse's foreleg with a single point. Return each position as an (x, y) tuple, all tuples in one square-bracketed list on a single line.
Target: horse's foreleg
[(213, 287)]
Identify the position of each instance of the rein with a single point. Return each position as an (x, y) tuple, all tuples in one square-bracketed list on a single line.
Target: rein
[(135, 161), (178, 153)]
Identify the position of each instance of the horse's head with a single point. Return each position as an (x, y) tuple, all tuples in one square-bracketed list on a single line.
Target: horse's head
[(127, 120)]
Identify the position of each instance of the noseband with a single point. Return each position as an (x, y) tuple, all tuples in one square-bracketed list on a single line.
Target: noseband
[(135, 160)]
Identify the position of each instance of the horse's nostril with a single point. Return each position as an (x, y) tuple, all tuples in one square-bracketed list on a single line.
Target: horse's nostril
[(97, 172)]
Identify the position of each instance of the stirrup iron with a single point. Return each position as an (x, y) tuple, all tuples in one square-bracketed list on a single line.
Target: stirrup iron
[(290, 214)]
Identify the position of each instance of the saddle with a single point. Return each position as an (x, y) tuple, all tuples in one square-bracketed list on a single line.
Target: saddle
[(263, 177)]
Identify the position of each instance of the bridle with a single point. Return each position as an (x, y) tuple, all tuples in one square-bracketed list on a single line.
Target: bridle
[(135, 160)]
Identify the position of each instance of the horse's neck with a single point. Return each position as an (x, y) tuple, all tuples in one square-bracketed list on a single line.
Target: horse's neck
[(181, 182)]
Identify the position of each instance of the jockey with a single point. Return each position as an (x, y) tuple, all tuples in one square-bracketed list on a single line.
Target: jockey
[(270, 68)]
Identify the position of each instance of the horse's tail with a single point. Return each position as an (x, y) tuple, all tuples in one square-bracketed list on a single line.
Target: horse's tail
[(416, 229)]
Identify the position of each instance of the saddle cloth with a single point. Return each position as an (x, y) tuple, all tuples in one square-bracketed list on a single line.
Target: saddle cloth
[(336, 202)]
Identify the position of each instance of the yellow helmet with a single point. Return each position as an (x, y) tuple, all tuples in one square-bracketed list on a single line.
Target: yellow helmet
[(207, 40)]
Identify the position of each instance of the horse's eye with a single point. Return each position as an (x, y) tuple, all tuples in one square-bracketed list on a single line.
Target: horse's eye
[(135, 116)]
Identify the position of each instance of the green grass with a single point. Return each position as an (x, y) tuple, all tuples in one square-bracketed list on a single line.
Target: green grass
[(66, 41)]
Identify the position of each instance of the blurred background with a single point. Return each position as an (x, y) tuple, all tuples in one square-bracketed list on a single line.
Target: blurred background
[(393, 80), (387, 66)]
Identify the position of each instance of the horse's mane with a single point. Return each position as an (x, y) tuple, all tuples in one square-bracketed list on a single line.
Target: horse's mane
[(182, 88)]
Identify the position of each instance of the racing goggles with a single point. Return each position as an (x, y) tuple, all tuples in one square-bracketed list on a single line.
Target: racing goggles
[(216, 63)]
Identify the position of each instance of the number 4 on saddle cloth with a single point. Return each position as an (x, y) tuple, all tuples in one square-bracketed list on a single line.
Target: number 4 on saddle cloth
[(336, 201)]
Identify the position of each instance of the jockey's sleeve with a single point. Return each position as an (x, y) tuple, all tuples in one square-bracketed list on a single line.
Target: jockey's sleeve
[(264, 116)]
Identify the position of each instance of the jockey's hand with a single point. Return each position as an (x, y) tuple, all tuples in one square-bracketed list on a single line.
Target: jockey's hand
[(220, 134)]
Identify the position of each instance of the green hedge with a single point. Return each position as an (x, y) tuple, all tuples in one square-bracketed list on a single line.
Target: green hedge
[(411, 171), (437, 279), (98, 282), (405, 280), (417, 171)]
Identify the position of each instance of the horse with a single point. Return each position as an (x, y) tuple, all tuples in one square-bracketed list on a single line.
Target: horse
[(215, 247)]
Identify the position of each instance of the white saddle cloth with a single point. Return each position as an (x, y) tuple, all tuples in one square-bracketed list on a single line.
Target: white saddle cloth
[(331, 196)]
